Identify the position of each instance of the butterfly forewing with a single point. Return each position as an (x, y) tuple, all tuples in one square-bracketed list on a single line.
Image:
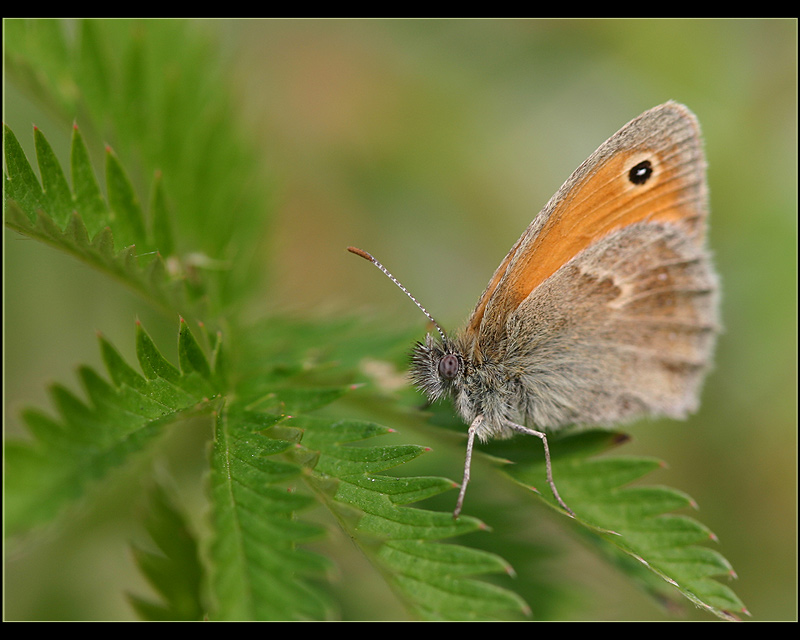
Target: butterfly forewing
[(653, 169)]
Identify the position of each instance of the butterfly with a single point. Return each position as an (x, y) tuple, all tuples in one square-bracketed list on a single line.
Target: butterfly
[(604, 311)]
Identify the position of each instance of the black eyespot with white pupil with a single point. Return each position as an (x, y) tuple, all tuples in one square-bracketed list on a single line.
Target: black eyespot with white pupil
[(448, 366), (641, 172)]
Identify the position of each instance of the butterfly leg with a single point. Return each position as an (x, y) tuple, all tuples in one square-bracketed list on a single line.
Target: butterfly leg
[(473, 428), (548, 466)]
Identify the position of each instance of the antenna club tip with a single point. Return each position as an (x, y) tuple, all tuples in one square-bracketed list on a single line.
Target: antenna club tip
[(361, 252)]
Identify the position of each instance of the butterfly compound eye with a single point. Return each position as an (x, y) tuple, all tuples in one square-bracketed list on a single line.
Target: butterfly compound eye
[(448, 366)]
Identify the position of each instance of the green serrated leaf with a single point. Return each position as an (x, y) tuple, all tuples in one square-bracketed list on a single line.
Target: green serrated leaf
[(75, 233), (153, 364), (255, 561), (103, 242), (595, 488), (168, 108), (88, 198), (89, 439), (458, 599), (404, 490), (450, 560), (299, 399), (120, 371), (219, 361), (160, 218), (21, 184), (56, 190), (125, 208), (190, 355), (175, 571), (369, 507), (668, 531), (81, 223), (175, 387)]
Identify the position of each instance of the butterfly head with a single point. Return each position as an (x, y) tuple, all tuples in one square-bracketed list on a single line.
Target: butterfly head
[(437, 367)]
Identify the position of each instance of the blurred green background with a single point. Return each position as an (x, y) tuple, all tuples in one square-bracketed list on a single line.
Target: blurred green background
[(432, 144)]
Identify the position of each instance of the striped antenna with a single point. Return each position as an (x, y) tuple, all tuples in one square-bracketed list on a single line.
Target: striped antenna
[(367, 256)]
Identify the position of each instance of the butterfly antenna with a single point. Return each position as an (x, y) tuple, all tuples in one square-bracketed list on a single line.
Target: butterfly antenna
[(367, 256)]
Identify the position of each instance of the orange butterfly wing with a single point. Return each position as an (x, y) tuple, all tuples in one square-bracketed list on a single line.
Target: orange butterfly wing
[(607, 192)]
